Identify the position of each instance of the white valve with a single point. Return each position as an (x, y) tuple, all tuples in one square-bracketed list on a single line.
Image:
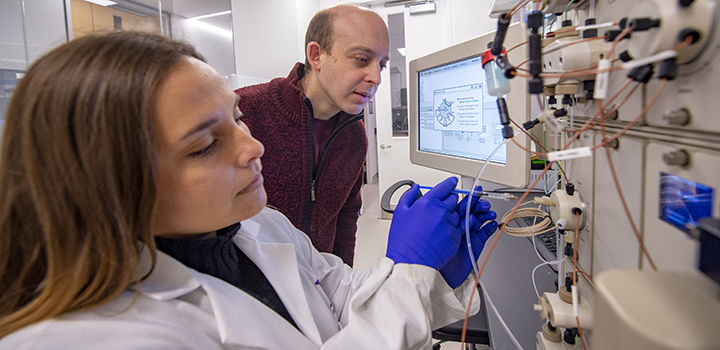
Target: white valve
[(674, 20), (562, 314), (561, 223), (567, 53), (565, 209), (548, 118)]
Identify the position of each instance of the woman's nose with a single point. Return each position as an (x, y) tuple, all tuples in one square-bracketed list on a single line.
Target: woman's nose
[(250, 149)]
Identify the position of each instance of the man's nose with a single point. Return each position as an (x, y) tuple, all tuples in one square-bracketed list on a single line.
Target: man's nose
[(373, 75)]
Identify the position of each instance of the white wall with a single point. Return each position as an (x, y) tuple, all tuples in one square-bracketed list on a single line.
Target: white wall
[(270, 36), (306, 9), (215, 44), (469, 18), (267, 35)]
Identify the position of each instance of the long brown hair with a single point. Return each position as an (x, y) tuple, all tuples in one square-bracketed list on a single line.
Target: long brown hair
[(77, 174)]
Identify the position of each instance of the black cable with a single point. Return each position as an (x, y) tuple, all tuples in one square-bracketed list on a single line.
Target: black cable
[(497, 44), (507, 130), (668, 69), (535, 83), (507, 68)]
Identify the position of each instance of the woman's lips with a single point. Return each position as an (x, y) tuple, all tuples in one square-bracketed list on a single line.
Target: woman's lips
[(252, 186)]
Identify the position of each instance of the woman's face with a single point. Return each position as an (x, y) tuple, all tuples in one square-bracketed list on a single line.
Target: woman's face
[(208, 164)]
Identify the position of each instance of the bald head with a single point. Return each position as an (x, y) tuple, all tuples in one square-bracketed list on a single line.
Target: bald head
[(321, 27)]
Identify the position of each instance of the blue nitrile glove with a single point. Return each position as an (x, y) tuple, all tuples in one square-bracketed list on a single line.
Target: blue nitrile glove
[(459, 266), (426, 231)]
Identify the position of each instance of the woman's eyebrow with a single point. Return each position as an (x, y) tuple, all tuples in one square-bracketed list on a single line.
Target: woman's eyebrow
[(202, 126)]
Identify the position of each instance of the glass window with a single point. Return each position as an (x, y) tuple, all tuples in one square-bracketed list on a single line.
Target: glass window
[(28, 29), (205, 24), (398, 75)]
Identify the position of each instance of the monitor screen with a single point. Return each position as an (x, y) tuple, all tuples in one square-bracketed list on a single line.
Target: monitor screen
[(454, 124), (457, 116)]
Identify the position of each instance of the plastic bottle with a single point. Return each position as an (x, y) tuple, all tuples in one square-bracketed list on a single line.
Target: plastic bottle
[(497, 84)]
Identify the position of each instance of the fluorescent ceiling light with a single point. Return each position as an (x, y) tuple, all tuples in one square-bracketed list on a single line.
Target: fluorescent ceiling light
[(102, 2), (212, 15), (401, 50), (211, 28)]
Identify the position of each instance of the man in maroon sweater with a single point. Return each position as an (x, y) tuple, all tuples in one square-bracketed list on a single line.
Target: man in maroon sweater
[(310, 124)]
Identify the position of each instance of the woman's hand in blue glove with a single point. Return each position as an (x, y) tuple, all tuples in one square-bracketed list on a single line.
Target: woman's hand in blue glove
[(426, 230), (459, 267)]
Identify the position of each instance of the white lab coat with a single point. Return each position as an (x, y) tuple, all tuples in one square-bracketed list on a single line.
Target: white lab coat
[(388, 307)]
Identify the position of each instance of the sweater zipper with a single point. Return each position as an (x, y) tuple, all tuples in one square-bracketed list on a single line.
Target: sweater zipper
[(308, 205), (315, 171), (321, 158)]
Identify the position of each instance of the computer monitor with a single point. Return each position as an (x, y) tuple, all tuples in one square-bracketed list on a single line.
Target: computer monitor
[(499, 7), (454, 122)]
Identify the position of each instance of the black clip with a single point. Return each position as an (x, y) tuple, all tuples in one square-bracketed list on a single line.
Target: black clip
[(390, 191)]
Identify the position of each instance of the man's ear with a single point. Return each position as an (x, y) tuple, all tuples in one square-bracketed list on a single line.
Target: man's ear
[(314, 52)]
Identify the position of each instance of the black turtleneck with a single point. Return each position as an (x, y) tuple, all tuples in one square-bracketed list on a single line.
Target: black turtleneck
[(221, 258)]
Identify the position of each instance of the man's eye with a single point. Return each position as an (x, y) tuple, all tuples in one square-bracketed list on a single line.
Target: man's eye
[(361, 59), (205, 151)]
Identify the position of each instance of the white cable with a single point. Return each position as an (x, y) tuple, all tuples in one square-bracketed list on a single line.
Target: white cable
[(535, 269), (526, 231), (560, 47), (552, 178), (575, 297), (652, 59), (557, 182), (568, 169), (536, 250), (533, 277), (595, 26), (558, 254), (557, 165), (553, 49), (486, 298), (469, 202), (576, 15)]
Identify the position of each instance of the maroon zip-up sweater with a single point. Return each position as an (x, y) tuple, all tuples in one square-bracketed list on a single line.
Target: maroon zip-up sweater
[(323, 200)]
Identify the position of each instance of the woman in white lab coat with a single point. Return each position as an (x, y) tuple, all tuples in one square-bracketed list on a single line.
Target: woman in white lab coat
[(133, 217)]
